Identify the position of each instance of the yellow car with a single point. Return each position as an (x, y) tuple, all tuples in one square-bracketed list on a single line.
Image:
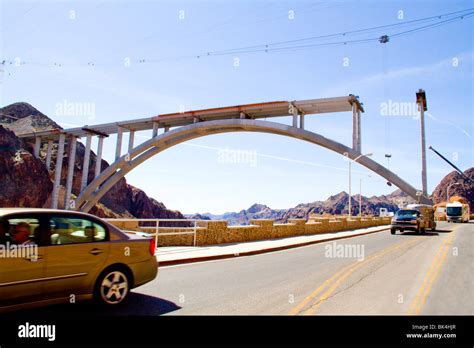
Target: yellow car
[(55, 256)]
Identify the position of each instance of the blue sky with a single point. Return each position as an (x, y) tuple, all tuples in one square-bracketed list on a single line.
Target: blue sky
[(190, 177)]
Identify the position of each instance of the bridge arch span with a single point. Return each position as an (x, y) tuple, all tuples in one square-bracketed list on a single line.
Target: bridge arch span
[(117, 170)]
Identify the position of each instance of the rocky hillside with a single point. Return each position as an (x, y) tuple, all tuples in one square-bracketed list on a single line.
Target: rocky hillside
[(339, 204), (25, 181), (22, 118), (465, 189)]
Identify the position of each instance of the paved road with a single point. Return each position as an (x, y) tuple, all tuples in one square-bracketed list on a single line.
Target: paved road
[(374, 274)]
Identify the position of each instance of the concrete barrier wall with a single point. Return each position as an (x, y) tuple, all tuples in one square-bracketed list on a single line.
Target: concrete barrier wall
[(131, 225), (217, 232)]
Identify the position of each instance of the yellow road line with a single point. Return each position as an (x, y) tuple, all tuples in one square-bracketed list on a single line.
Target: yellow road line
[(337, 275), (308, 299), (330, 291), (430, 276)]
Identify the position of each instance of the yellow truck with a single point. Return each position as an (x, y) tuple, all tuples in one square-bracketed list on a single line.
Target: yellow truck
[(440, 211), (415, 217)]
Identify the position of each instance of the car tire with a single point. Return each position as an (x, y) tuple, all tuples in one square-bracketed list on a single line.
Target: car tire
[(393, 231), (112, 287)]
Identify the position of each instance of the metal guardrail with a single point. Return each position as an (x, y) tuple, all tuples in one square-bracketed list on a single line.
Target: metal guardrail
[(156, 228)]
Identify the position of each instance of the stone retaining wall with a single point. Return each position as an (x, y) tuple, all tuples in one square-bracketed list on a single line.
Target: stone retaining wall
[(214, 232)]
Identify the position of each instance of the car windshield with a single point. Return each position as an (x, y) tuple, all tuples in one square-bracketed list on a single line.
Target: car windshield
[(454, 211), (407, 213)]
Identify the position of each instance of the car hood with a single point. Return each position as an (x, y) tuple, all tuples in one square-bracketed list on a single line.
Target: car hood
[(405, 218)]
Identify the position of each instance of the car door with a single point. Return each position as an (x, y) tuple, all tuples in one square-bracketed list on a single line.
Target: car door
[(77, 251), (22, 265)]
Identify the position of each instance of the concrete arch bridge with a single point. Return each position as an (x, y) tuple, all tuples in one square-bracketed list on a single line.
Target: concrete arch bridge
[(181, 127)]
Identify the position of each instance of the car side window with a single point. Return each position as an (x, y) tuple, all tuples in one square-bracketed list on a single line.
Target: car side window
[(73, 230), (20, 230)]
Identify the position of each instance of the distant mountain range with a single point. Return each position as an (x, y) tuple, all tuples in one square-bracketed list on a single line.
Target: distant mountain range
[(337, 204)]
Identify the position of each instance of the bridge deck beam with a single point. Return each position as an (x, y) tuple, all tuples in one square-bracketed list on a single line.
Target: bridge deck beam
[(256, 111)]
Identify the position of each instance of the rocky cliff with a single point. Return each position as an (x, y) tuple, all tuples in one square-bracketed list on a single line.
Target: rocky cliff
[(25, 181), (464, 188)]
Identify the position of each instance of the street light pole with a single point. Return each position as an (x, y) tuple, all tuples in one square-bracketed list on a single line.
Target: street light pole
[(350, 180), (447, 190)]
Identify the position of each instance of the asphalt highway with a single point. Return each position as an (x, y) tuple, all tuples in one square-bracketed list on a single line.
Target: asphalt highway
[(376, 274)]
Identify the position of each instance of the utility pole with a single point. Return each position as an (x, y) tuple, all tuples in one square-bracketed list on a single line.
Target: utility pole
[(421, 101)]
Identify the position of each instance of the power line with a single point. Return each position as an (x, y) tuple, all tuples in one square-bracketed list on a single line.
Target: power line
[(345, 33), (269, 47), (429, 26), (337, 43)]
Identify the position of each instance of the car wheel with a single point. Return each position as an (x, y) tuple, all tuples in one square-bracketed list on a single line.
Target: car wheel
[(393, 231), (113, 287)]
